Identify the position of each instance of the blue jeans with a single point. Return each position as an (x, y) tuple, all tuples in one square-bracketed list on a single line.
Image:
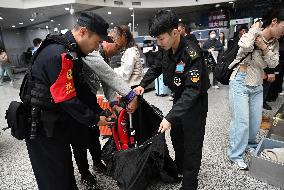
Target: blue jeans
[(5, 67), (246, 112)]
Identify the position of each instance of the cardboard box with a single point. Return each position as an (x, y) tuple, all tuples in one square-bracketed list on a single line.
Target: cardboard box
[(264, 169)]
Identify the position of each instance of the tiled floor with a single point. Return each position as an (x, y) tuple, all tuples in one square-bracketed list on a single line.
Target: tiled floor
[(216, 172)]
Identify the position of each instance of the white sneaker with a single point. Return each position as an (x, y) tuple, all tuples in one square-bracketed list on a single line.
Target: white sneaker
[(240, 164), (216, 87), (281, 93)]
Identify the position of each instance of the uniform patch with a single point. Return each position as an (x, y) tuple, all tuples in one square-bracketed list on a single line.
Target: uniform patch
[(177, 81), (193, 54), (194, 75), (180, 67)]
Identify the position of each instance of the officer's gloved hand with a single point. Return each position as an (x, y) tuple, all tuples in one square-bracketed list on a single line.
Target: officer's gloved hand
[(105, 121)]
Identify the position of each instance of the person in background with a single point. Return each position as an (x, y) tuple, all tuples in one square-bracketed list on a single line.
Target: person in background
[(212, 44), (260, 47), (185, 32), (131, 68), (5, 65), (223, 40), (234, 41), (36, 42)]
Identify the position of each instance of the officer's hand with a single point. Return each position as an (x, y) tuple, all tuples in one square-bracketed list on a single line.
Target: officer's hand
[(104, 121), (139, 90), (116, 109), (132, 106), (164, 125), (271, 77)]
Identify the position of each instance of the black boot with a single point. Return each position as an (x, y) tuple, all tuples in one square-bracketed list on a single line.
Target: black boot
[(266, 106)]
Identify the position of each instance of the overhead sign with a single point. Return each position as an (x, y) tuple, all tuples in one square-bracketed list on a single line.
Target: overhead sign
[(218, 19), (241, 21)]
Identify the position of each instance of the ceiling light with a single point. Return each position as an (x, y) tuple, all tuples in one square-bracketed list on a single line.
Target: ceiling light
[(72, 10), (31, 19), (1, 18), (111, 23), (109, 13), (67, 9), (58, 24), (51, 20), (217, 5), (13, 26), (21, 23), (130, 8), (179, 20), (231, 2)]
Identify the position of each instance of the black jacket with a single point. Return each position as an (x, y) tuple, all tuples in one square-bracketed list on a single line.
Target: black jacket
[(187, 85), (192, 38), (212, 43), (47, 68)]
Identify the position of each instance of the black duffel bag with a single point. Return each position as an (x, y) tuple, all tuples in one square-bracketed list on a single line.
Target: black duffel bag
[(18, 119)]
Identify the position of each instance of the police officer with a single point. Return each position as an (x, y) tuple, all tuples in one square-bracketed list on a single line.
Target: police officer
[(185, 74), (58, 94)]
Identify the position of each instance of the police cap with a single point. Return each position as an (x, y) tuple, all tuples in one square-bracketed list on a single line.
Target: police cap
[(94, 23)]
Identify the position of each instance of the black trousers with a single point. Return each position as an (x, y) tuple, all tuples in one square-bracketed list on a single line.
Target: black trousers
[(187, 138), (51, 159), (86, 138)]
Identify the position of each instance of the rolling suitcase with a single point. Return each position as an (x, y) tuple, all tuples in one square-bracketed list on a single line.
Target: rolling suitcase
[(161, 89)]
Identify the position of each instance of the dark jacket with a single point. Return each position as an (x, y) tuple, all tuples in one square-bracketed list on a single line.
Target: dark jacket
[(49, 69), (188, 84), (192, 38), (212, 43)]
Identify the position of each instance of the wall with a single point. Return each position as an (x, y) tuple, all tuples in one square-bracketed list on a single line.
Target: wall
[(14, 41)]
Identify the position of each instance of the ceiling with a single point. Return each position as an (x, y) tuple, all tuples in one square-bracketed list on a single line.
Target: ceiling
[(42, 14), (118, 15)]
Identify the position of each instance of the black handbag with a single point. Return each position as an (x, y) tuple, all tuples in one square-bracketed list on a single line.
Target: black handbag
[(18, 119)]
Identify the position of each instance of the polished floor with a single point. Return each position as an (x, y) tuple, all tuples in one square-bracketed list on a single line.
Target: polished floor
[(216, 171)]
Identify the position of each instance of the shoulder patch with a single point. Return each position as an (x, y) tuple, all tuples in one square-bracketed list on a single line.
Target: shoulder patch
[(192, 51)]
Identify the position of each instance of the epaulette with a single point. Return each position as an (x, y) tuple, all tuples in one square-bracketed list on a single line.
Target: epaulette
[(193, 51)]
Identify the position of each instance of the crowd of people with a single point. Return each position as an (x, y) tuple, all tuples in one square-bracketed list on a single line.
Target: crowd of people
[(65, 91)]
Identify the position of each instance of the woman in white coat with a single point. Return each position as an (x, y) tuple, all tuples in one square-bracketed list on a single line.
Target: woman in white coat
[(131, 67)]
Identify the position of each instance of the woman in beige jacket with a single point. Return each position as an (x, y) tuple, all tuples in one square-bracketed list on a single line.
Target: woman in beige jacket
[(131, 68), (261, 49)]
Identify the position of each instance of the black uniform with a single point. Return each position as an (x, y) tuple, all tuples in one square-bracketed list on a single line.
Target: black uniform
[(58, 75), (186, 75)]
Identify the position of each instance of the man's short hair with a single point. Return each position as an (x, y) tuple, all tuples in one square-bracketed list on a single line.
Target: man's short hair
[(37, 42), (164, 21)]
